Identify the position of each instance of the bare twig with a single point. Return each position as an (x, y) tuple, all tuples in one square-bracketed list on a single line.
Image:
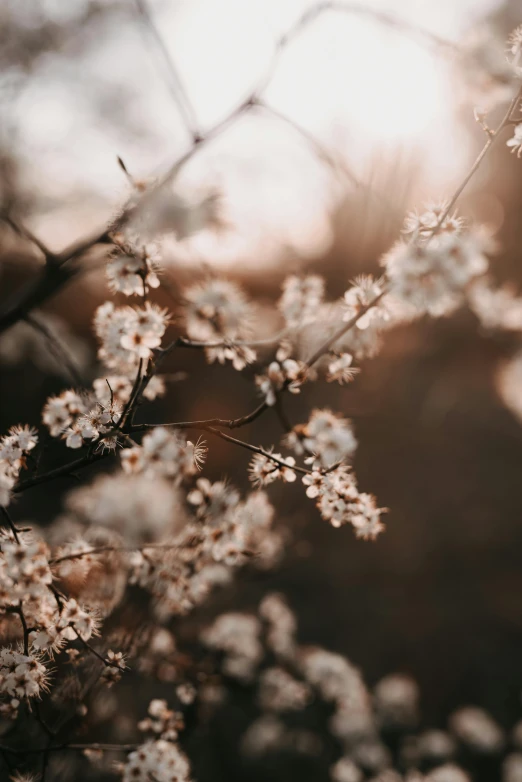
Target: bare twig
[(63, 471), (256, 449), (56, 346), (325, 347), (62, 267), (100, 657), (111, 549), (492, 138), (25, 233), (75, 747), (10, 522), (175, 83)]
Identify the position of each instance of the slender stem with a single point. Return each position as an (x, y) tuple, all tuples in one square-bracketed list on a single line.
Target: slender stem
[(110, 549), (325, 347), (57, 347), (10, 522), (257, 449), (60, 472), (75, 747), (19, 610), (335, 163), (492, 137), (25, 233), (232, 423), (381, 17), (133, 397), (100, 657), (183, 342), (178, 91)]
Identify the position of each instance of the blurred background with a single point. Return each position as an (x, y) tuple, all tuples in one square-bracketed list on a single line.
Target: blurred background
[(83, 82)]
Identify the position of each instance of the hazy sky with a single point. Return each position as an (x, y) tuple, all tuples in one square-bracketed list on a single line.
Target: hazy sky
[(363, 89)]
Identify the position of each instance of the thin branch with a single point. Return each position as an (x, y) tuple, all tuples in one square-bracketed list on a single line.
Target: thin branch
[(62, 269), (335, 163), (56, 347), (133, 396), (10, 522), (325, 347), (231, 423), (61, 472), (177, 89), (451, 203), (102, 747), (184, 342), (111, 549), (492, 137), (25, 233), (281, 414), (75, 747), (69, 469), (358, 9), (100, 657), (256, 449), (80, 247), (19, 611)]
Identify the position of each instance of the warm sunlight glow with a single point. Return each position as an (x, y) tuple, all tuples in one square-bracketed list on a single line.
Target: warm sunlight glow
[(371, 94)]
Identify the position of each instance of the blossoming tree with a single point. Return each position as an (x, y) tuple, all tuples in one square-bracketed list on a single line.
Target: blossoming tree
[(62, 589)]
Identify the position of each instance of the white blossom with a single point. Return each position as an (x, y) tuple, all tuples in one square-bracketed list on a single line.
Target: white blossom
[(218, 311), (515, 142), (279, 691), (263, 470), (345, 770), (340, 369), (396, 700), (61, 412), (139, 507), (288, 373), (162, 210), (496, 308), (22, 675), (340, 502), (237, 635), (514, 43), (212, 499), (160, 760), (447, 773), (328, 437), (433, 274), (300, 299), (128, 334), (512, 768), (164, 452), (133, 268), (475, 728)]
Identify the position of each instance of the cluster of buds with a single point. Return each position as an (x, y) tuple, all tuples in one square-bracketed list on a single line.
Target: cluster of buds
[(14, 448), (283, 373)]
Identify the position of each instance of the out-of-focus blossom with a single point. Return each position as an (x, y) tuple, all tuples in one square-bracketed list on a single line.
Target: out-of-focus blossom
[(515, 142), (300, 300), (475, 728), (327, 437)]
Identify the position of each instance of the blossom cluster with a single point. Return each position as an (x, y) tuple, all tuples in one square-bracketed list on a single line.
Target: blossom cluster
[(14, 449), (43, 621), (378, 731), (433, 266), (128, 335), (164, 453), (160, 757)]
